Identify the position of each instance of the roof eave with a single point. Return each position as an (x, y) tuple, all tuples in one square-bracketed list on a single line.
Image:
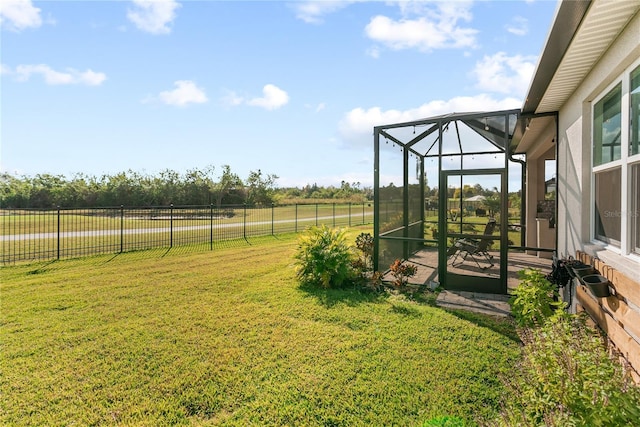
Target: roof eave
[(569, 15)]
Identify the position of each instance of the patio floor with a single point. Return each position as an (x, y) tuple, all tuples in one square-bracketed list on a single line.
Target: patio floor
[(427, 262), (496, 305)]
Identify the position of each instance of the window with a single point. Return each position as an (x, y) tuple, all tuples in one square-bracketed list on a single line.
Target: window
[(607, 128), (635, 208), (608, 205), (616, 164), (634, 146)]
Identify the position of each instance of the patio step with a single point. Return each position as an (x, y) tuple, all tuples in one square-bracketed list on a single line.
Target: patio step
[(490, 304)]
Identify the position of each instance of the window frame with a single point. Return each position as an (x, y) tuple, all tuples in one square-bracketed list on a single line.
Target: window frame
[(627, 246)]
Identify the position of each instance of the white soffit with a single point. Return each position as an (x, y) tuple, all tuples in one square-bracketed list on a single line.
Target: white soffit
[(602, 24)]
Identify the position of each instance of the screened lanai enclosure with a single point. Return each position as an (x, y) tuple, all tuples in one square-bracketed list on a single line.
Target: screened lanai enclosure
[(441, 198)]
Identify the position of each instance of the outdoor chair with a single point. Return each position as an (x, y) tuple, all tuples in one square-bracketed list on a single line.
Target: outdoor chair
[(474, 248)]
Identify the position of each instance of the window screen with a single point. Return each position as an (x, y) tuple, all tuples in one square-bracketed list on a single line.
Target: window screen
[(608, 205), (634, 208)]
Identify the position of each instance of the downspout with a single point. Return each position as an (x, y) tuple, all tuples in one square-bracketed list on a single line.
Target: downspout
[(523, 198)]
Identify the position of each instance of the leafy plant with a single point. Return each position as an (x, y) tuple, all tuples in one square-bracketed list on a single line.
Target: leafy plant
[(402, 272), (364, 243), (567, 378), (363, 264), (534, 300), (444, 421), (324, 258)]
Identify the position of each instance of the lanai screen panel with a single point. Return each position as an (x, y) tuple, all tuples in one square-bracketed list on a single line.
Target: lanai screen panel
[(415, 204), (390, 203)]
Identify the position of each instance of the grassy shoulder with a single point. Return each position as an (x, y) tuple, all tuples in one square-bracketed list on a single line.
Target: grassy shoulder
[(228, 337)]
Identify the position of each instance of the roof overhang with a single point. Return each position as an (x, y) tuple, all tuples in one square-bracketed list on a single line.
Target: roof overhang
[(581, 33)]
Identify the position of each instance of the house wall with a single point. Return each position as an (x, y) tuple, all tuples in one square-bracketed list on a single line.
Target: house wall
[(574, 153), (619, 314), (536, 192)]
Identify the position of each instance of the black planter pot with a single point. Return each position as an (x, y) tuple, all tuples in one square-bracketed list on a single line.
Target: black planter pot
[(599, 285), (580, 270)]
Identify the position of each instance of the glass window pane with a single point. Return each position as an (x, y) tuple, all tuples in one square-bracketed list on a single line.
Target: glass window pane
[(608, 205), (635, 208), (634, 145), (607, 128)]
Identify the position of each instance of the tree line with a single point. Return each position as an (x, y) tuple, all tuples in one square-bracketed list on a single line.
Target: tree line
[(211, 185)]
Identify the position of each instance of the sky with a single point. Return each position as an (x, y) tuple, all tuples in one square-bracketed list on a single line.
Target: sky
[(292, 88)]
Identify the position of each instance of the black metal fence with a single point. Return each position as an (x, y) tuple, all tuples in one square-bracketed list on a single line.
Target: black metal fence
[(46, 234)]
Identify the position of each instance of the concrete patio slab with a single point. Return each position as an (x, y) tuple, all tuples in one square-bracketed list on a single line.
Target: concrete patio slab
[(490, 304)]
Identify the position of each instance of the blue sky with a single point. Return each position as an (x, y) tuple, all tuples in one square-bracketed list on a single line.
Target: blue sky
[(290, 88)]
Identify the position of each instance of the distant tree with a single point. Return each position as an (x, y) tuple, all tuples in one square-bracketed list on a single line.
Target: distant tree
[(260, 188), (492, 203), (227, 182)]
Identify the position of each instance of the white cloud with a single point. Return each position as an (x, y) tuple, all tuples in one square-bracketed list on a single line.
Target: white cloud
[(17, 15), (505, 74), (185, 93), (69, 76), (436, 28), (316, 108), (313, 11), (356, 127), (232, 99), (518, 26), (374, 52), (153, 16), (273, 98)]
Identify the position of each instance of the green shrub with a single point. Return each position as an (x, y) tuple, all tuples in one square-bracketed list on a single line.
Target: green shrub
[(444, 421), (324, 258), (363, 263), (534, 300), (567, 378), (364, 243)]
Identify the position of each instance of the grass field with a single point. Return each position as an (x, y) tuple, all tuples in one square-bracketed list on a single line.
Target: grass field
[(190, 336)]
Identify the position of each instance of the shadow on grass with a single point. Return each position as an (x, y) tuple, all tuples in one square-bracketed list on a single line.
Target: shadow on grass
[(504, 326), (43, 268), (349, 296), (406, 311)]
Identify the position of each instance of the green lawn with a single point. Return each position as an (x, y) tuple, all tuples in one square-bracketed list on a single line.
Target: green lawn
[(227, 337)]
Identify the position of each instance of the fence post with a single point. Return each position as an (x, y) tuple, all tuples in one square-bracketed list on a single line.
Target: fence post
[(363, 203), (316, 214), (211, 226), (272, 212), (171, 226), (121, 228), (244, 222), (349, 214), (58, 243), (334, 215), (296, 219)]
